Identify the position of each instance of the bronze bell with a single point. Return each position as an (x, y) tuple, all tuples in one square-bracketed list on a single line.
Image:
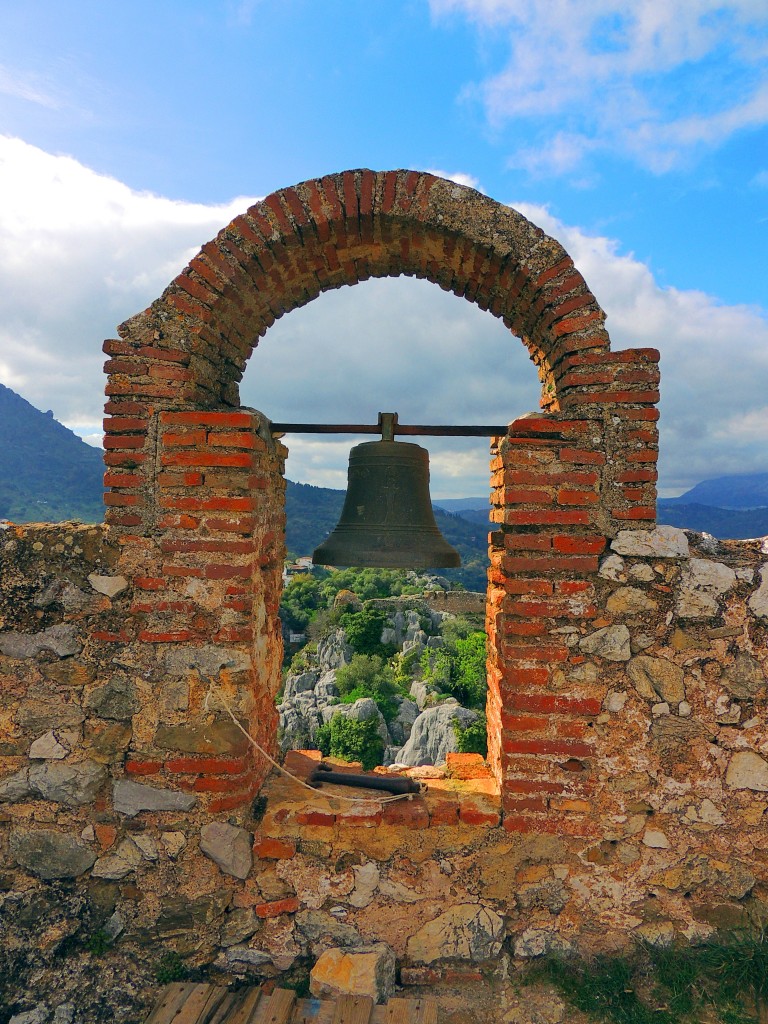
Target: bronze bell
[(387, 520)]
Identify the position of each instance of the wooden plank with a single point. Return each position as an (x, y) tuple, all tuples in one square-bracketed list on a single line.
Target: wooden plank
[(313, 1011), (396, 1011), (171, 998), (242, 1013), (216, 997), (353, 1010), (424, 1011), (221, 1014), (275, 1008), (192, 1008)]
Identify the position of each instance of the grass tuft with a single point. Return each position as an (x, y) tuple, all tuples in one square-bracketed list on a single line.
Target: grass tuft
[(675, 985)]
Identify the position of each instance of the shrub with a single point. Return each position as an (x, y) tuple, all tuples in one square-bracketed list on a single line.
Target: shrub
[(473, 739), (363, 630), (458, 668), (351, 740), (368, 676)]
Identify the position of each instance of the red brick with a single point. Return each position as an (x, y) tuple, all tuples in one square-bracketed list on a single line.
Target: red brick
[(150, 583), (315, 818), (544, 517), (134, 767), (177, 636), (207, 765), (207, 419), (287, 906), (274, 849), (109, 636), (637, 476), (227, 572), (190, 504), (552, 704), (542, 652), (124, 425), (578, 563), (232, 440), (118, 500), (183, 439), (532, 786), (123, 480), (582, 456), (645, 512), (419, 976), (572, 497), (411, 813), (579, 545), (229, 803), (562, 748), (616, 397), (526, 676), (124, 441), (643, 456)]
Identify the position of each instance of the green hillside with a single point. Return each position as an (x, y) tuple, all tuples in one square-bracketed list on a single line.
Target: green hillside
[(47, 473)]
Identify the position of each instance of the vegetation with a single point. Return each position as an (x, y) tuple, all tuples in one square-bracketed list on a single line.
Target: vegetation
[(473, 739), (369, 676), (669, 985), (47, 473), (458, 668), (351, 740)]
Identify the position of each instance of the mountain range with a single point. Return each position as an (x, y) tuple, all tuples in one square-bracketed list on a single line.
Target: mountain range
[(48, 474)]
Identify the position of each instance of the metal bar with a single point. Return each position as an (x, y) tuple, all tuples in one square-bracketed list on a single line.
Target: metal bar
[(435, 430)]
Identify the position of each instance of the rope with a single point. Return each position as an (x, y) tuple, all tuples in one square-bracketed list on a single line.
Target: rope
[(294, 778)]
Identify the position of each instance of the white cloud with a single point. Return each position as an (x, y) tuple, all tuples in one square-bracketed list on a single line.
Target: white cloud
[(460, 177), (655, 81), (80, 252), (714, 358)]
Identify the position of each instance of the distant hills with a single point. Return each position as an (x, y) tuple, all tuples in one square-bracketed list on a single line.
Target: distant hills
[(48, 474)]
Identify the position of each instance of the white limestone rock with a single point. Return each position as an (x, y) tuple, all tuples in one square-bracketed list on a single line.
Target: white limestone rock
[(116, 865), (702, 582), (53, 745), (657, 679), (433, 736), (747, 770), (758, 602), (661, 542), (110, 586), (229, 847), (131, 797), (611, 643), (467, 931)]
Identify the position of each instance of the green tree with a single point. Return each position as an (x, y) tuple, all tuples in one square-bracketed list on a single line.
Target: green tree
[(458, 668), (301, 599), (352, 740), (363, 630), (369, 676)]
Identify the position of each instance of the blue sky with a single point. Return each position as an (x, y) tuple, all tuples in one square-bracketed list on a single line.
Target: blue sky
[(636, 133)]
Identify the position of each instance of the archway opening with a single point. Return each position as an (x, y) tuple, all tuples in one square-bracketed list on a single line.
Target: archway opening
[(403, 344)]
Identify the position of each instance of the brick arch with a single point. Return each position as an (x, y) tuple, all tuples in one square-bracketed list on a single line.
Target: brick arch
[(345, 228), (195, 482)]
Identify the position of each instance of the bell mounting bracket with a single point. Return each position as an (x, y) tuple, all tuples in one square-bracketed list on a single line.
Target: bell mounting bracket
[(388, 426)]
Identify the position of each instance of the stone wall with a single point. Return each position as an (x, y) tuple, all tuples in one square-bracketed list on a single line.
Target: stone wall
[(634, 801)]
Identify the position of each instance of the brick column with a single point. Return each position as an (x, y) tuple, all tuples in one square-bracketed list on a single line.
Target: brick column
[(547, 484), (206, 593)]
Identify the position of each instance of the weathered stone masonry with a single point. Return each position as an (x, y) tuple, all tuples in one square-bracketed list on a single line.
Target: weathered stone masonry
[(627, 671)]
